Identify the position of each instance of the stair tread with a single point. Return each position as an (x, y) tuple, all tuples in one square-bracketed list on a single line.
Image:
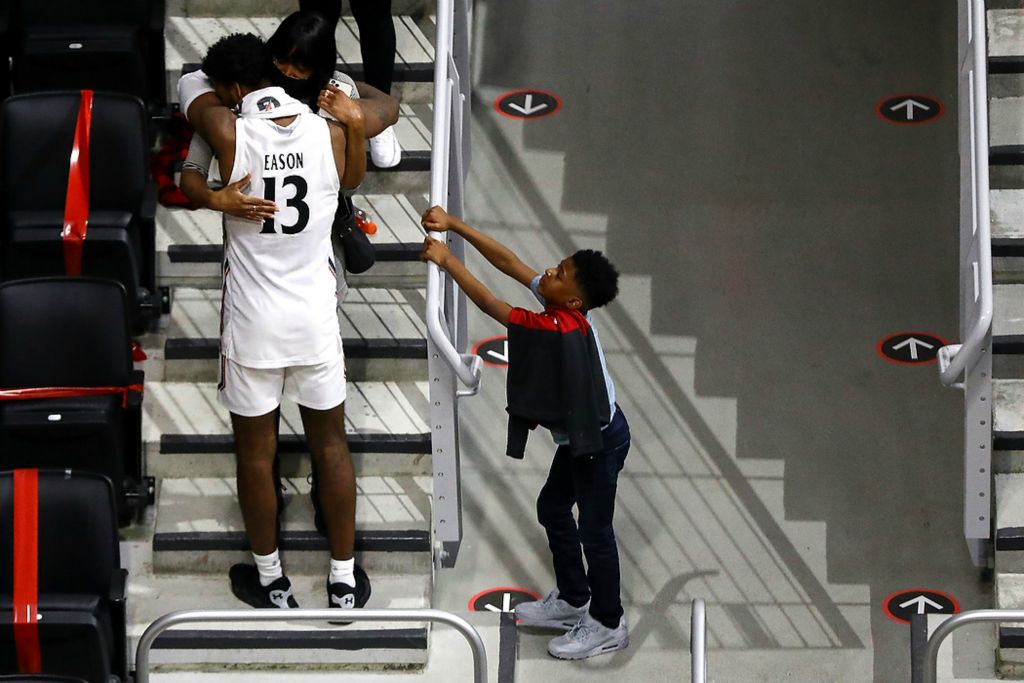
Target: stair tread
[(368, 313), (396, 215), (371, 408), (149, 596), (1005, 32), (1008, 314), (1007, 211), (1006, 121), (1009, 492), (1008, 405), (188, 38), (196, 506)]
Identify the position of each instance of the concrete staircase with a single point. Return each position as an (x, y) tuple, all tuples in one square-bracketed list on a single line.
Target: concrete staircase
[(179, 556)]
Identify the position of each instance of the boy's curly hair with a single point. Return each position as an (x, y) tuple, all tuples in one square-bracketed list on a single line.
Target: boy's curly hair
[(237, 58), (596, 277)]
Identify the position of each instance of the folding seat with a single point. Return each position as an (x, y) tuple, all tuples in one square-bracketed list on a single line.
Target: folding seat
[(69, 396), (107, 193), (79, 583), (108, 45)]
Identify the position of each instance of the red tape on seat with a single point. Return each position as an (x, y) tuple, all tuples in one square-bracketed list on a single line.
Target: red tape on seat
[(76, 205), (26, 571), (68, 392)]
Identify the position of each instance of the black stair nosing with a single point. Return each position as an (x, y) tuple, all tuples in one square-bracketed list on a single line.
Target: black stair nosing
[(1011, 637), (321, 639), (214, 253), (1007, 441), (188, 444), (388, 541), (1010, 538), (208, 348), (1006, 155), (408, 72), (414, 161), (1008, 344), (1007, 247), (1006, 64)]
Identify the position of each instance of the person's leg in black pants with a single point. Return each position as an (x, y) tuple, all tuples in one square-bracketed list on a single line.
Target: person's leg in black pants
[(590, 483), (376, 41)]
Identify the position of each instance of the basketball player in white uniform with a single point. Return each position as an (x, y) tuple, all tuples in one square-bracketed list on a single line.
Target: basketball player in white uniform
[(279, 327)]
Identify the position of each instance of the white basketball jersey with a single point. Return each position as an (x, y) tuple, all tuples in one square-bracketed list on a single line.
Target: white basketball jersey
[(279, 299)]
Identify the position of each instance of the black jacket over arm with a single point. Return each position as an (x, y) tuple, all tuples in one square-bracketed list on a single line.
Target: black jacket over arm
[(555, 379)]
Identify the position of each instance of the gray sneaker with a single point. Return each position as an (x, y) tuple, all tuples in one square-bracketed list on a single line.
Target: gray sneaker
[(551, 612), (588, 638)]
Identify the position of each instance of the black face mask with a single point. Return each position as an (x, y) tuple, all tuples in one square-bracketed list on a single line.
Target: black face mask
[(305, 90)]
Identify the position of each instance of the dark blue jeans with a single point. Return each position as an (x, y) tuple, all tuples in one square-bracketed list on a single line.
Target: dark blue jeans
[(589, 483)]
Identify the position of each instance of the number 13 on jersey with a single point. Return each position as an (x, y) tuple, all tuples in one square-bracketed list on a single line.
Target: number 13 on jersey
[(296, 202)]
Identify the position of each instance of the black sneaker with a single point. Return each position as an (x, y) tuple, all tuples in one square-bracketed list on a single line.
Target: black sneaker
[(343, 596), (245, 584)]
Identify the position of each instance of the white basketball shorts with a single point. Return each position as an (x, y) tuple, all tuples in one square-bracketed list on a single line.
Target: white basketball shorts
[(251, 392)]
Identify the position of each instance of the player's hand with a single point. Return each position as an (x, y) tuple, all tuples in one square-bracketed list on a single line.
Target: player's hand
[(232, 201), (436, 219), (435, 251), (340, 106)]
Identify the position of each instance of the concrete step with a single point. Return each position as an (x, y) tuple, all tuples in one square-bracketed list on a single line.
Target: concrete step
[(188, 36), (1007, 426), (199, 527), (383, 332), (189, 246), (1005, 40), (257, 645), (187, 433), (1009, 546), (279, 8), (1009, 594)]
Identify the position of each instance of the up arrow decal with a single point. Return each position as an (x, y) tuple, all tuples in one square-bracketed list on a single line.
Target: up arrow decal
[(909, 109)]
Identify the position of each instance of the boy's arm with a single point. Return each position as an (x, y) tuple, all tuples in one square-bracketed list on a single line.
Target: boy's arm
[(438, 253), (499, 256)]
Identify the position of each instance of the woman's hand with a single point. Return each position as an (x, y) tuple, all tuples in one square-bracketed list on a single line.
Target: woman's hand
[(436, 219), (340, 106), (435, 252), (232, 201)]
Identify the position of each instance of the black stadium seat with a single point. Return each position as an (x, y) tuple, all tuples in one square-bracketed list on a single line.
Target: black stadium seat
[(36, 141), (109, 45), (72, 332), (81, 585)]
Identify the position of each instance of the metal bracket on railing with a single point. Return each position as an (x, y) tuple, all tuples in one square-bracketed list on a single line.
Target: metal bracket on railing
[(946, 355), (167, 621), (475, 364)]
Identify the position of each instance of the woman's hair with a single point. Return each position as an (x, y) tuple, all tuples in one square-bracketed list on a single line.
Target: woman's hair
[(306, 40)]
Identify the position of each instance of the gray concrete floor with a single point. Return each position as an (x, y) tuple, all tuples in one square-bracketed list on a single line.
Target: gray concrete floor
[(728, 158)]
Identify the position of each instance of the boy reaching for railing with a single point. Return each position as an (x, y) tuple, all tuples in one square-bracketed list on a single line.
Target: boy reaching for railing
[(557, 377)]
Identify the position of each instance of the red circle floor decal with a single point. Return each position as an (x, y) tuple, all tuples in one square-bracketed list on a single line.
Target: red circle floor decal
[(902, 605), (501, 599), (910, 348), (527, 104), (909, 110)]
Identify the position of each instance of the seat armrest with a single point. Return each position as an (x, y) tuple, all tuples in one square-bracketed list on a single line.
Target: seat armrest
[(118, 585), (147, 211)]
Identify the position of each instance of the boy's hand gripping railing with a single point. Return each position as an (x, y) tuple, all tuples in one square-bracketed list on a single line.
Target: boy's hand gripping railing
[(972, 360), (250, 615)]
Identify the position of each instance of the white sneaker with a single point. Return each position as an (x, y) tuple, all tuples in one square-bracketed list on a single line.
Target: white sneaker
[(385, 151), (588, 638), (551, 612)]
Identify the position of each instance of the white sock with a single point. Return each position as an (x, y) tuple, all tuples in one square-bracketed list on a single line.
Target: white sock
[(343, 571), (269, 567)]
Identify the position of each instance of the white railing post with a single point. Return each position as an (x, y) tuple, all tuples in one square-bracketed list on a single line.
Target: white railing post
[(698, 643), (972, 360), (271, 615)]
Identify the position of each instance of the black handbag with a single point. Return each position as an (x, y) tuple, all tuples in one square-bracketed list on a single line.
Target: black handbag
[(357, 252)]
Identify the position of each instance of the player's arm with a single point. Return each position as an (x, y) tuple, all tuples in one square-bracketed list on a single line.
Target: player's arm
[(436, 252), (496, 253), (350, 118), (217, 126)]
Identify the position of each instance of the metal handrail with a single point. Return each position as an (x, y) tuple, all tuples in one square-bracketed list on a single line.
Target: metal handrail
[(698, 643), (931, 648), (953, 362), (464, 365), (248, 615)]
